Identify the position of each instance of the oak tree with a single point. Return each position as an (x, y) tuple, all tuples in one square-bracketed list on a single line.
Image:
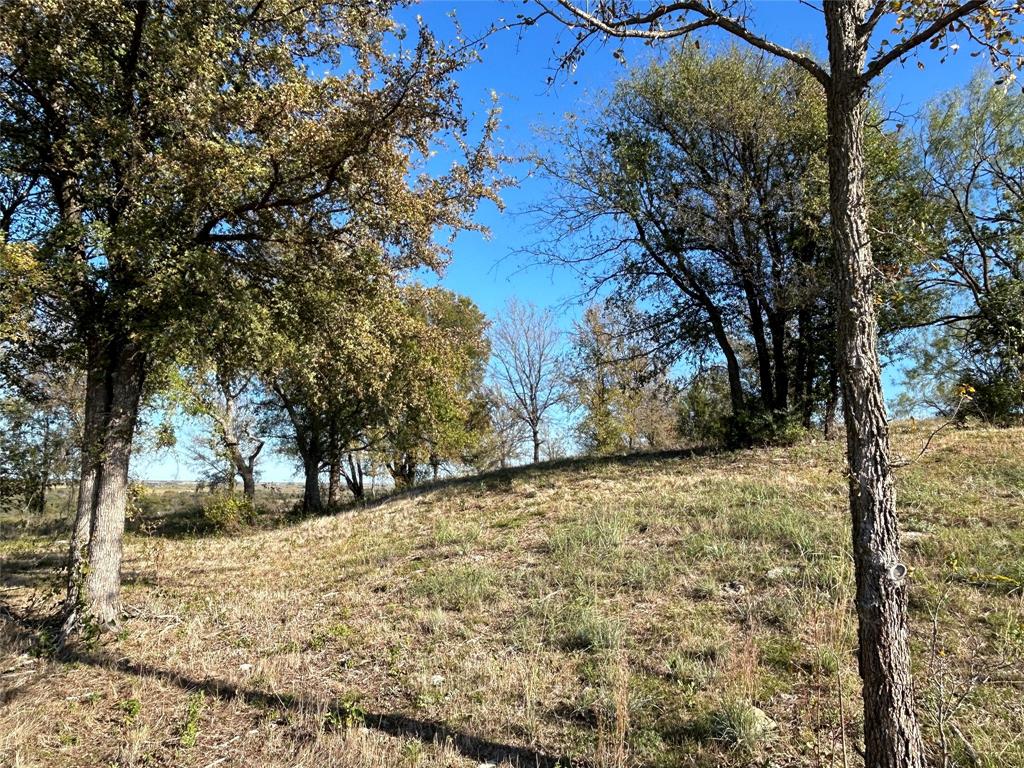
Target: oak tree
[(170, 146)]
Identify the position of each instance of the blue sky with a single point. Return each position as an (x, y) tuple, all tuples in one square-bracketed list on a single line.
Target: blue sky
[(516, 67)]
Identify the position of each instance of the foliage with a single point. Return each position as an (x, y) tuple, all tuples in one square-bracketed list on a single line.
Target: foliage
[(700, 196), (172, 171), (704, 410), (433, 411), (501, 434), (994, 340), (226, 511), (627, 402), (39, 425), (974, 150)]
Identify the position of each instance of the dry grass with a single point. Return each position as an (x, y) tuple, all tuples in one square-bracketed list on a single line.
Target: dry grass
[(610, 613)]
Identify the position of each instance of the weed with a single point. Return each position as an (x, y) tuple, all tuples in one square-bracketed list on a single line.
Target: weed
[(131, 709), (190, 729), (346, 713), (582, 626), (739, 725)]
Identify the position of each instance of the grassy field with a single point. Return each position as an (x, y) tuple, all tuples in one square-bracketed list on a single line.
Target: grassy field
[(664, 610)]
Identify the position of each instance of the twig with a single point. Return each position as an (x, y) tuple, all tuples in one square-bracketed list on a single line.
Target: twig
[(952, 417), (842, 714)]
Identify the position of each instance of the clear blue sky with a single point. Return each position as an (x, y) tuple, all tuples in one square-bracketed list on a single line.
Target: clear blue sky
[(517, 67)]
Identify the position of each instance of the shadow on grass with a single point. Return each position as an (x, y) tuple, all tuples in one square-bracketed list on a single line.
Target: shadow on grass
[(189, 522), (33, 571), (503, 478), (477, 748), (183, 521)]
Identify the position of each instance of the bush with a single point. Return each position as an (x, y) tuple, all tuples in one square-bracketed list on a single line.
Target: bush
[(738, 725), (756, 426), (706, 417), (228, 512)]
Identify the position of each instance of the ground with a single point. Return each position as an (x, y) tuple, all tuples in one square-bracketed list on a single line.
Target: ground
[(669, 610)]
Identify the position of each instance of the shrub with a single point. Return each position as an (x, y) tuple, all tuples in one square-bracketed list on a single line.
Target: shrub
[(228, 512), (756, 426), (738, 725)]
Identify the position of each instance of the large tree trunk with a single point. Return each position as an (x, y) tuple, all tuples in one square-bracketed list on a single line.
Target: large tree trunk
[(535, 434), (311, 501), (892, 738), (757, 330), (777, 321), (91, 450), (732, 363), (106, 532), (114, 380), (248, 475)]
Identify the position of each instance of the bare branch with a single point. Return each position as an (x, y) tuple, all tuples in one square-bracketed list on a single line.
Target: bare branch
[(627, 27), (880, 62)]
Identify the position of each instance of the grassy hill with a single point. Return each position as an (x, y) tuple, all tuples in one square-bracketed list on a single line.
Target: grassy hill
[(661, 610)]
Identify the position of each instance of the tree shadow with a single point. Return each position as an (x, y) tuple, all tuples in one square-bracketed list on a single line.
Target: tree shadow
[(477, 748), (189, 521), (504, 478), (31, 571)]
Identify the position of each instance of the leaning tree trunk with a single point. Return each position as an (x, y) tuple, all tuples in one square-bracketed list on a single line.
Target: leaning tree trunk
[(892, 738), (248, 475)]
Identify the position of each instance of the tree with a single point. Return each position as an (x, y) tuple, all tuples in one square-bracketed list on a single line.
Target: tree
[(170, 144), (856, 57), (333, 349), (230, 404), (628, 403), (39, 423), (973, 145), (702, 200), (501, 433), (431, 416), (526, 346)]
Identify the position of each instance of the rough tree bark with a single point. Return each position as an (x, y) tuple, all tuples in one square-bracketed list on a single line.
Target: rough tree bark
[(92, 424), (334, 480), (891, 734), (114, 381), (106, 532), (311, 498)]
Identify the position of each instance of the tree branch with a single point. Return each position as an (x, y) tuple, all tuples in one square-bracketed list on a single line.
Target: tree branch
[(880, 62), (624, 28)]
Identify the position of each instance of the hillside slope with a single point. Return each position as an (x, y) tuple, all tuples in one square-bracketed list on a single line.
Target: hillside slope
[(665, 610)]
